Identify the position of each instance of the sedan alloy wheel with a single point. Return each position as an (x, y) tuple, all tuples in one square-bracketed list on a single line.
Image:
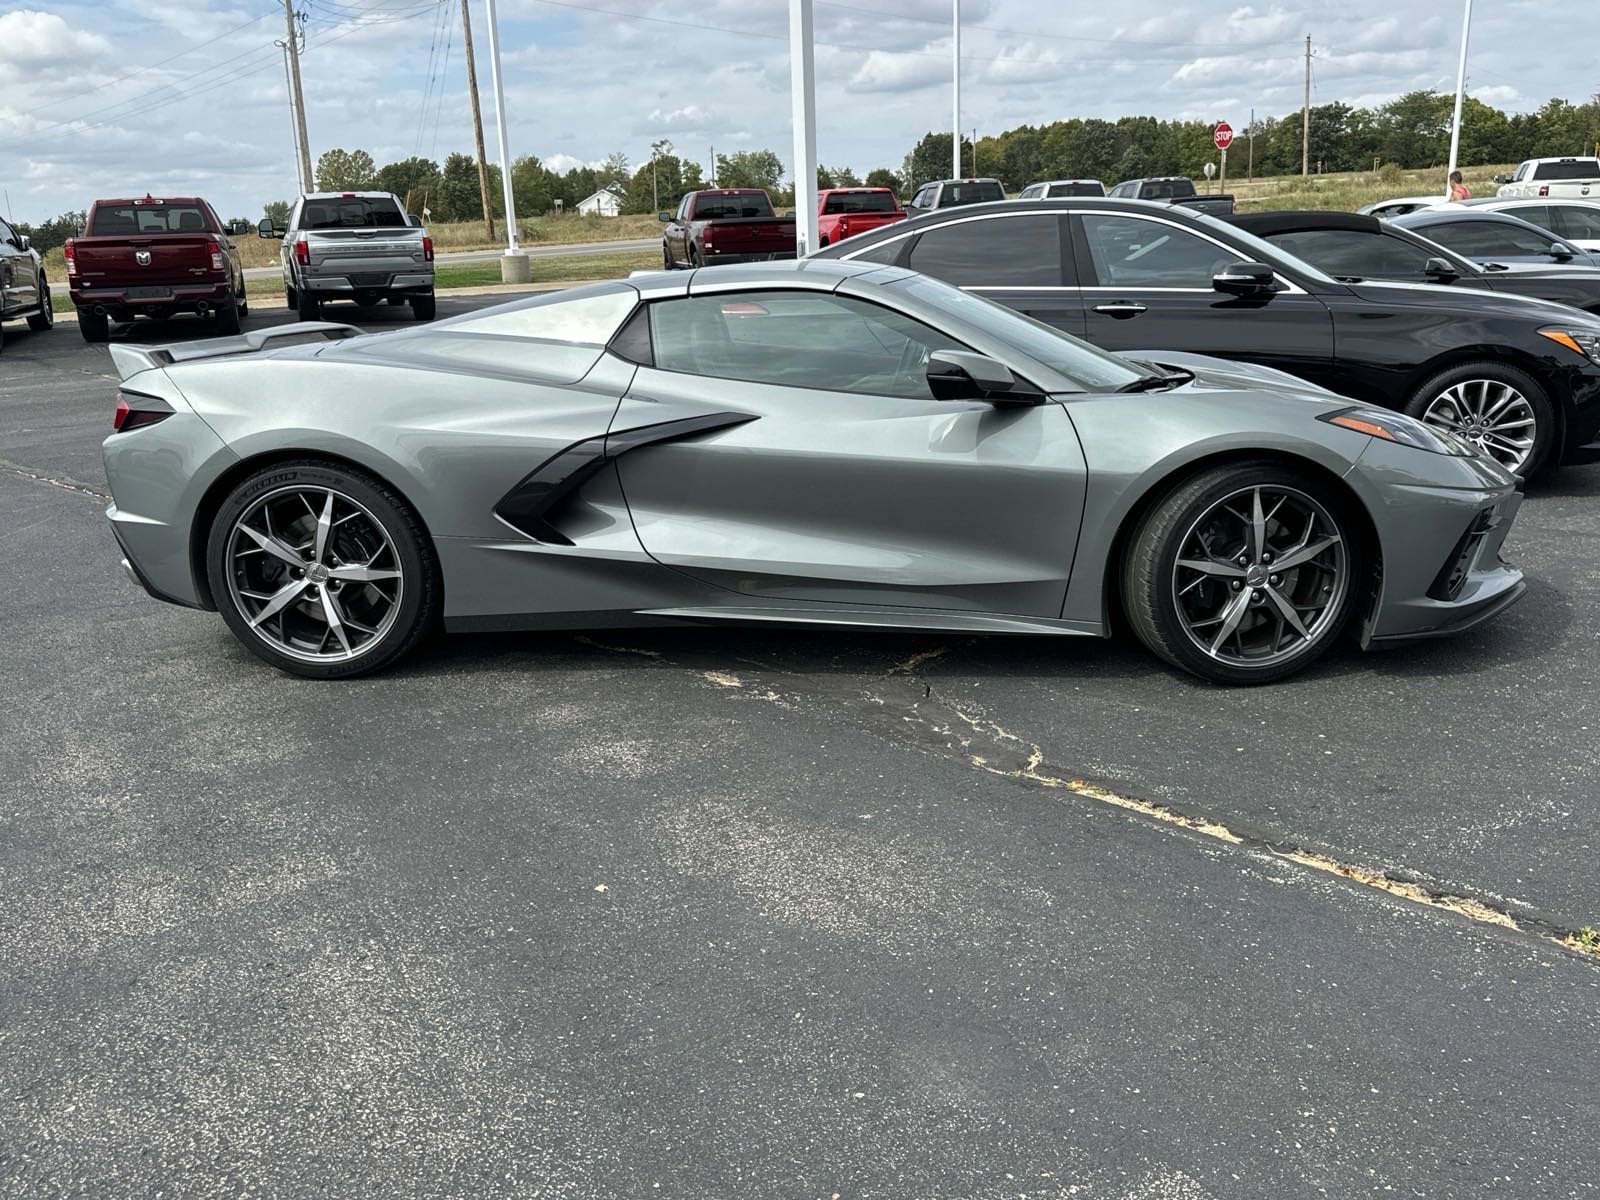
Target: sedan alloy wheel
[(1493, 415)]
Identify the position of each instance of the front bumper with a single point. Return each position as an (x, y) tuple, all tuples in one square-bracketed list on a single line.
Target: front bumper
[(1582, 418)]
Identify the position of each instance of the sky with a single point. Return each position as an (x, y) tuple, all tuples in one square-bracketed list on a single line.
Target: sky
[(118, 97)]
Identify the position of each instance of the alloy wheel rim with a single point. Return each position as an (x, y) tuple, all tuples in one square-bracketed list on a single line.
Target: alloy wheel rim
[(1494, 416), (314, 574), (1260, 576)]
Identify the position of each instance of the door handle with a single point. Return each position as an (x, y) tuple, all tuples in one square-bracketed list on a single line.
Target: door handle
[(1122, 309)]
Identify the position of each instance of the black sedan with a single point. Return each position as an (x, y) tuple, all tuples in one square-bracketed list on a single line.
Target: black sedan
[(1353, 248), (1518, 377), (1487, 237)]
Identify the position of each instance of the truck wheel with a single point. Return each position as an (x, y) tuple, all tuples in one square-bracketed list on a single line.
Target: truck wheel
[(422, 307), (308, 306), (291, 297), (95, 328), (46, 316), (244, 299), (227, 318), (694, 259), (666, 259)]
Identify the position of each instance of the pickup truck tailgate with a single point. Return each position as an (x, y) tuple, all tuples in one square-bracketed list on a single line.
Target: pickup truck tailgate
[(167, 259), (354, 251), (751, 235)]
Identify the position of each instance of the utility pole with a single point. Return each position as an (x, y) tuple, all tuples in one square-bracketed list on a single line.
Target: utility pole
[(1461, 89), (308, 180), (955, 90), (1305, 117), (477, 119)]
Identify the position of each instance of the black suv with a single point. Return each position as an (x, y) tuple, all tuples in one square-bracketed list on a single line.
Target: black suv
[(1518, 377)]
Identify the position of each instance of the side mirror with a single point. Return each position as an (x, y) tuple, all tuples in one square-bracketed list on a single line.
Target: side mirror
[(1562, 251), (663, 216), (268, 230), (1502, 178), (1246, 279), (962, 375), (1440, 268), (24, 242)]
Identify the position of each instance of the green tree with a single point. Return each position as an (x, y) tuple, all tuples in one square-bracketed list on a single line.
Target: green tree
[(884, 177), (408, 176), (345, 171), (533, 185), (614, 172), (1562, 129), (1413, 131), (750, 169), (276, 211)]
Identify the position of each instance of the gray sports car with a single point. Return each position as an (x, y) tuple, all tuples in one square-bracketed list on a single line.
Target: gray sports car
[(821, 443)]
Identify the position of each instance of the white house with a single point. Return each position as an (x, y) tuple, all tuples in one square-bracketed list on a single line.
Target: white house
[(607, 202)]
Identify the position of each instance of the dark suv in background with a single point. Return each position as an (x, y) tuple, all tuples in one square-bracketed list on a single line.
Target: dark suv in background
[(1519, 378)]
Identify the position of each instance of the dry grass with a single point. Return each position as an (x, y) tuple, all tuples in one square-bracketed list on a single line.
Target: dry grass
[(1348, 192)]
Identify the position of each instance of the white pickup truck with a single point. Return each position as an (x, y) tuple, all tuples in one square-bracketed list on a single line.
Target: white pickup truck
[(360, 246), (1567, 178)]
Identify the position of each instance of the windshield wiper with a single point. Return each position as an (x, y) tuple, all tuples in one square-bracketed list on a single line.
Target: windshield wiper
[(1157, 383)]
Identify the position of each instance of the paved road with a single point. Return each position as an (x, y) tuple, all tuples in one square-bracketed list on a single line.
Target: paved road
[(735, 914)]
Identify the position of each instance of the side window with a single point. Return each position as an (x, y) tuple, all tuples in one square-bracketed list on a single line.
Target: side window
[(1579, 221), (888, 252), (1537, 214), (1137, 253), (1020, 251), (1347, 254), (7, 234), (1522, 172), (1478, 239), (774, 337)]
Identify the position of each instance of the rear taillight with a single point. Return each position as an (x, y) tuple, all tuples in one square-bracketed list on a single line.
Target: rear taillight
[(71, 252), (302, 251), (216, 253), (136, 410), (427, 249)]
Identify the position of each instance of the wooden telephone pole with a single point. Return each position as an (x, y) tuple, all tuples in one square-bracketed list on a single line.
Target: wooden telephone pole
[(477, 118), (1305, 117), (298, 97)]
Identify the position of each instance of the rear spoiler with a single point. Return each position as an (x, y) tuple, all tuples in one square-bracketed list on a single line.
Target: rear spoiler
[(130, 360)]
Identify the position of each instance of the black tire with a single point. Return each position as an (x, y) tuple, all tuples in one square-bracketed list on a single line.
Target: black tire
[(667, 264), (694, 259), (422, 307), (1544, 454), (45, 318), (243, 298), (308, 306), (1150, 572), (421, 592), (2, 337), (226, 319), (94, 328), (291, 297)]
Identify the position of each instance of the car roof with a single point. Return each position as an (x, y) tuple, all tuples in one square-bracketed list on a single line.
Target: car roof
[(1267, 223), (348, 196), (1433, 216), (152, 200)]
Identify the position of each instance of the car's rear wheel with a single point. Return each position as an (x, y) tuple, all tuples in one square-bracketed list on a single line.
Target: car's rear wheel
[(307, 305), (45, 318), (322, 571), (227, 318), (1499, 409), (666, 258), (95, 327), (423, 307), (1243, 573)]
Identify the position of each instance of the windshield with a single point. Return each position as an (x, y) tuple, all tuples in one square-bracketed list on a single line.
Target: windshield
[(1260, 249), (1092, 369), (1577, 168), (152, 217), (860, 202), (352, 212)]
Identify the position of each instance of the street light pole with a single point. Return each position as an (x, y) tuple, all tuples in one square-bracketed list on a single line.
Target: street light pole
[(1461, 87), (513, 263), (955, 88), (803, 94)]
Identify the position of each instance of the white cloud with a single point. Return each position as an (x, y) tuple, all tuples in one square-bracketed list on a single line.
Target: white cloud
[(37, 41)]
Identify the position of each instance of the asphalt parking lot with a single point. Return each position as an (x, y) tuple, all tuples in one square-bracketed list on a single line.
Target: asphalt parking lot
[(749, 914)]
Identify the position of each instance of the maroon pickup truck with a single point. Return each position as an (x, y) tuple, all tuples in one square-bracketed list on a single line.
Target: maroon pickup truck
[(154, 258), (845, 212), (725, 225)]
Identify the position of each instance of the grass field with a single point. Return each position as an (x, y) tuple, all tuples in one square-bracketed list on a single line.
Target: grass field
[(1348, 192), (556, 269)]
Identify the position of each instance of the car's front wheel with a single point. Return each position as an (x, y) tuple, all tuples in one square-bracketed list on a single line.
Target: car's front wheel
[(1244, 573), (1499, 409), (322, 571)]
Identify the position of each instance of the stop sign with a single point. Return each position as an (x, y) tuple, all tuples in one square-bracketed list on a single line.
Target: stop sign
[(1223, 135)]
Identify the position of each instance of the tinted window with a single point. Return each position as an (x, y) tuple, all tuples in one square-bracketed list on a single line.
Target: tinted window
[(923, 199), (884, 252), (716, 208), (1579, 220), (358, 212), (1131, 252), (1577, 168), (1534, 214), (797, 339), (1484, 239), (1022, 251), (158, 217), (7, 234), (970, 193), (1032, 192), (1350, 254), (859, 202), (1076, 189)]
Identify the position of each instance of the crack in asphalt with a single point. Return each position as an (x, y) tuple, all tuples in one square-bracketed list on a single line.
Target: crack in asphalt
[(66, 483), (907, 710)]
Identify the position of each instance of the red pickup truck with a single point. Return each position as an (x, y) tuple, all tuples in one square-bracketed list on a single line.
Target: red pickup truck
[(153, 258), (725, 225), (845, 212)]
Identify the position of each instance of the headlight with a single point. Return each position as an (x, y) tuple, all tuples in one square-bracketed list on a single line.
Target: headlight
[(1586, 344), (1404, 430)]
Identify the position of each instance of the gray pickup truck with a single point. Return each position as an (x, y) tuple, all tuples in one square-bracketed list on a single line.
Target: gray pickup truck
[(1174, 189), (359, 246)]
